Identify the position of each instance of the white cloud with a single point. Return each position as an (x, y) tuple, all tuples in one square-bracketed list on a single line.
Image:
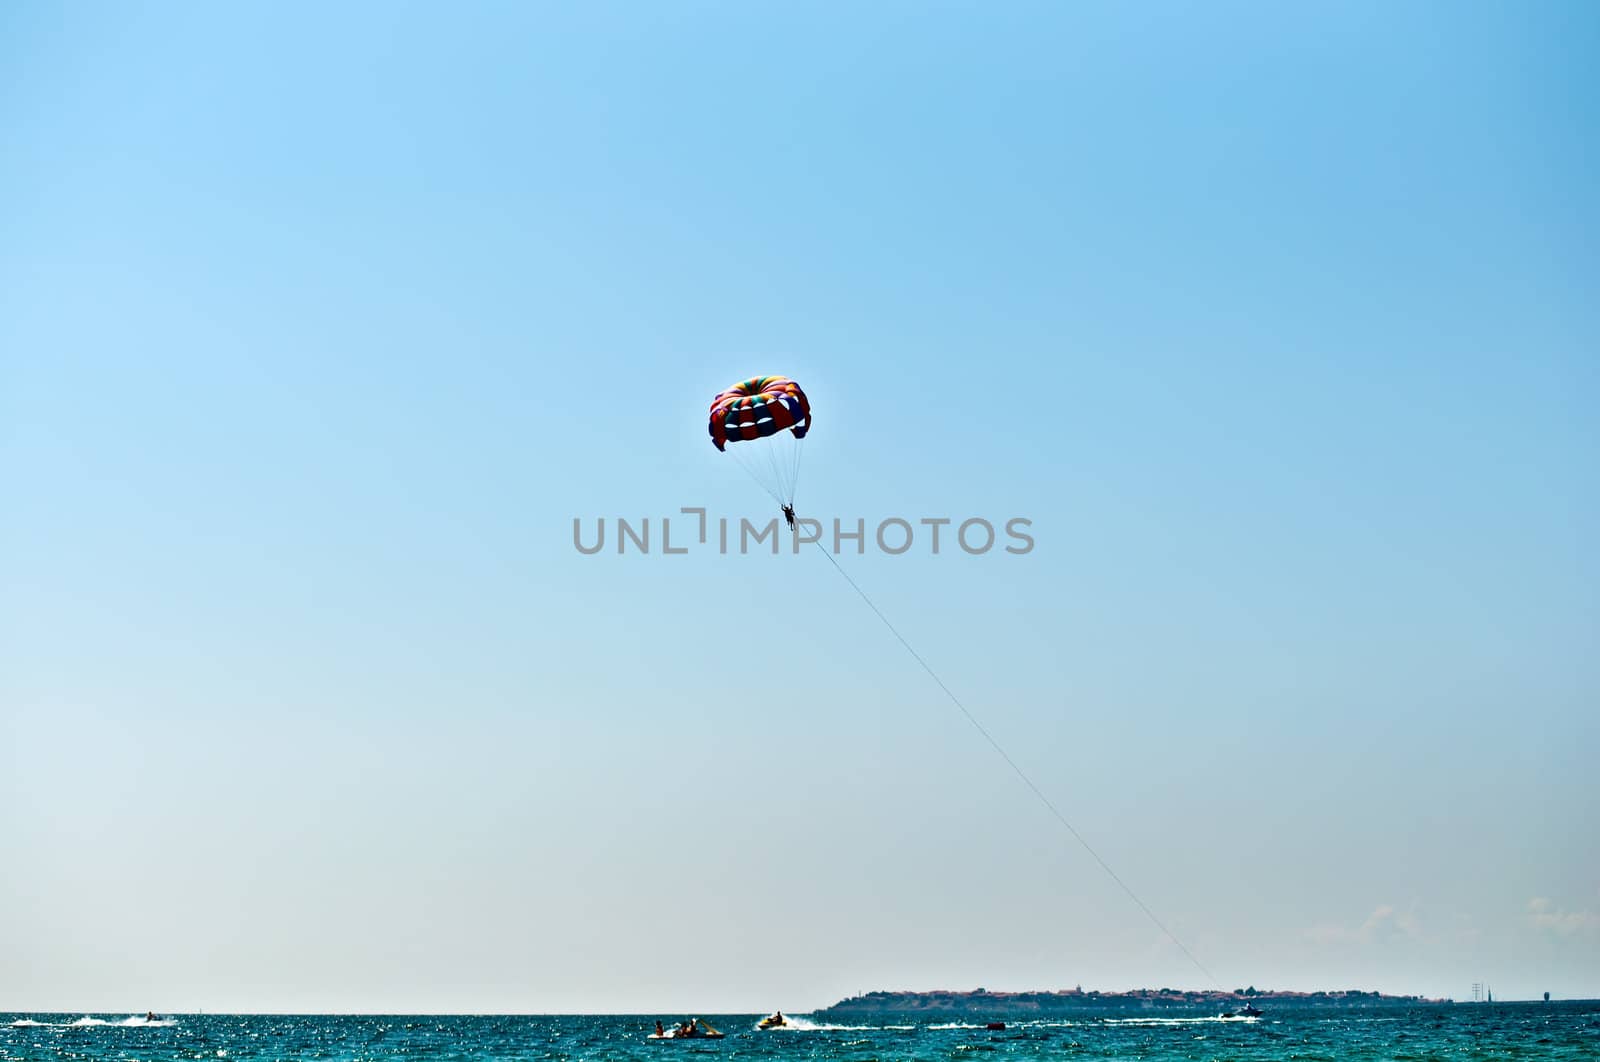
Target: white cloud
[(1385, 923), (1546, 917)]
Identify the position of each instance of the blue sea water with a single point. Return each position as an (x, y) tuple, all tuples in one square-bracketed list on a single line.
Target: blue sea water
[(1443, 1032)]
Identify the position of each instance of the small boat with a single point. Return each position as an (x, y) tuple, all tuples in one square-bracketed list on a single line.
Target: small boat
[(996, 1026), (693, 1029), (775, 1021)]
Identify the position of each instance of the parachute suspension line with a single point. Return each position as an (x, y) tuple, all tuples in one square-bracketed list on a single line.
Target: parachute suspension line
[(770, 446), (794, 468), (1020, 773), (749, 466), (773, 471)]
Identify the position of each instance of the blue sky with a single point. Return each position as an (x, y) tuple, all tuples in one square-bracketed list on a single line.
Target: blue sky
[(318, 328)]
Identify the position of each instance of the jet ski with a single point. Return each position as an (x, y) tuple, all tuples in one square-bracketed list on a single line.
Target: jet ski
[(693, 1029), (776, 1021)]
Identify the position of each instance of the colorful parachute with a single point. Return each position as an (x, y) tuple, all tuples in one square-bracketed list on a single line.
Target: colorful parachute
[(759, 407), (766, 418)]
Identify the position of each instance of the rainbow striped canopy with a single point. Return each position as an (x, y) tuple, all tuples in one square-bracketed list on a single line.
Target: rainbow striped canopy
[(759, 407)]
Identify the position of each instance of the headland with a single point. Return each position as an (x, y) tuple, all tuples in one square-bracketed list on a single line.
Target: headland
[(1043, 1004)]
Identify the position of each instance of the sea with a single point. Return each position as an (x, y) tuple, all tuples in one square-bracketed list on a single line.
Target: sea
[(1557, 1030)]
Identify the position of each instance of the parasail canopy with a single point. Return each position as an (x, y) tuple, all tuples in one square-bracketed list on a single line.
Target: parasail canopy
[(763, 421)]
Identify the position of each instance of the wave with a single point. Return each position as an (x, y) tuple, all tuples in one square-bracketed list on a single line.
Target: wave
[(1208, 1020), (794, 1024), (137, 1021), (1013, 1025)]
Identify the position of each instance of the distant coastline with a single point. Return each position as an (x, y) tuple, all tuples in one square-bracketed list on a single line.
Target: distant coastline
[(1042, 1003)]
